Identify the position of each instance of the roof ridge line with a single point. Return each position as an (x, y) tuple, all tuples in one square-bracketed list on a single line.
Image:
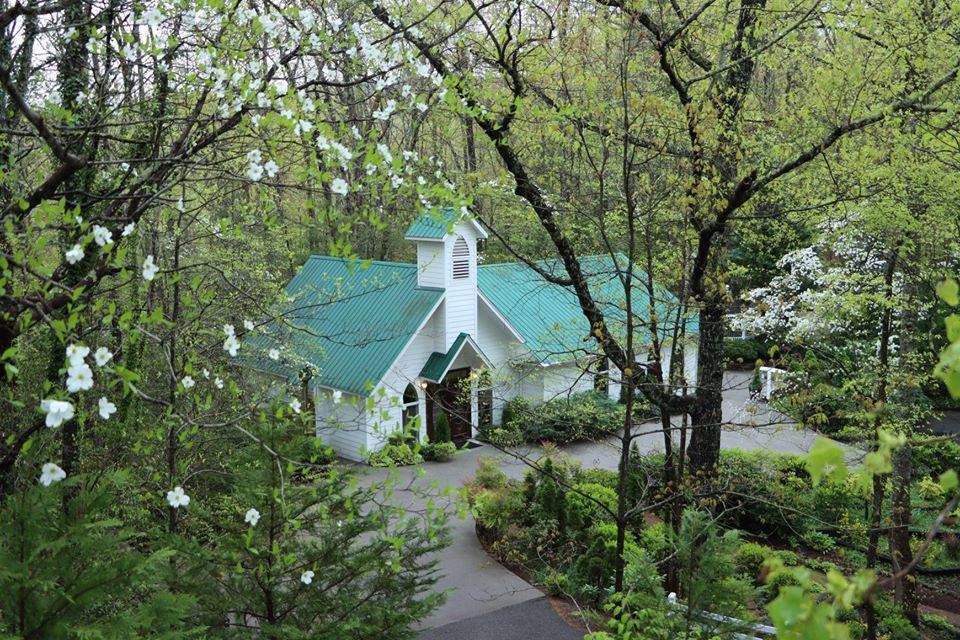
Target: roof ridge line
[(386, 263)]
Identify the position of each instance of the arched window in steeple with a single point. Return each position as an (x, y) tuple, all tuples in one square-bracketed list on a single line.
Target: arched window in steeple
[(461, 259)]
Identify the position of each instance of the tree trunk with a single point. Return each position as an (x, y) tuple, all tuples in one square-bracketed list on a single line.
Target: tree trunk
[(624, 472), (706, 415), (905, 588)]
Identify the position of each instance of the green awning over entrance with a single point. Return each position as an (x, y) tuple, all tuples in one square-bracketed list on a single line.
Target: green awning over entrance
[(439, 363)]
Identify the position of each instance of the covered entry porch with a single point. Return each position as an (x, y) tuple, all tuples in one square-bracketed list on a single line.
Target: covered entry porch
[(449, 386)]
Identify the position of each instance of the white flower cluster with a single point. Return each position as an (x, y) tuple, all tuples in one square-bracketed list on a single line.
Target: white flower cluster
[(815, 294), (256, 167), (231, 345)]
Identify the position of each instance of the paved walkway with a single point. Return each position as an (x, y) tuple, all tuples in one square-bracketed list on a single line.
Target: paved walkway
[(477, 586)]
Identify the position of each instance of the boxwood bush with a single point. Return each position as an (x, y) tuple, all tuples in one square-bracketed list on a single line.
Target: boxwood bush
[(744, 352), (584, 416)]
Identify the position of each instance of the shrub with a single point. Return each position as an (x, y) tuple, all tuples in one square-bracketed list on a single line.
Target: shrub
[(583, 416), (596, 566), (819, 541), (441, 427), (315, 456), (599, 476), (833, 501), (395, 455), (936, 457), (930, 490), (759, 485), (488, 476), (743, 351), (505, 436), (582, 507), (750, 558), (706, 571), (438, 451), (515, 410), (653, 540), (892, 623), (496, 510)]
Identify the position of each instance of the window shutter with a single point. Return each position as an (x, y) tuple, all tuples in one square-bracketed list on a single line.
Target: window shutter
[(461, 259)]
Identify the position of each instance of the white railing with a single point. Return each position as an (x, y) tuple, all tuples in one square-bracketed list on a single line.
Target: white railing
[(770, 378), (759, 631)]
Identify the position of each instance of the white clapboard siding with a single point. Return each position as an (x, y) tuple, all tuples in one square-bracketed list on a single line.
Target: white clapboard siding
[(388, 416), (342, 425), (460, 302), (431, 263), (564, 380)]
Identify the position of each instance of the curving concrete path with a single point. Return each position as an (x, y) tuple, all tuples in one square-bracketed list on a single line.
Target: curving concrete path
[(477, 586)]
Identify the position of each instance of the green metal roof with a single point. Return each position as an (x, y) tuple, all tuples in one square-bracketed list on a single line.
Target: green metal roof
[(434, 225), (349, 320), (438, 363), (548, 316)]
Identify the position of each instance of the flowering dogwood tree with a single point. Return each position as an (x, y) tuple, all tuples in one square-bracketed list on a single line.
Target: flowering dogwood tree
[(165, 165)]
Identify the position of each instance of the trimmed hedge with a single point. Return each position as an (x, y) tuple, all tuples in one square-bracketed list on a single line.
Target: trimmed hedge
[(745, 352)]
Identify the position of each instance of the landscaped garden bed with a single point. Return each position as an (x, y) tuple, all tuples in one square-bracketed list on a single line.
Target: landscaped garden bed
[(733, 551)]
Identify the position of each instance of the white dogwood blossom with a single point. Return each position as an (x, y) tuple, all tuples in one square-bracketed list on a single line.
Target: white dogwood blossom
[(102, 356), (79, 377), (75, 254), (150, 268), (102, 236), (252, 517), (106, 408), (50, 473), (76, 353), (231, 345), (58, 412), (176, 498)]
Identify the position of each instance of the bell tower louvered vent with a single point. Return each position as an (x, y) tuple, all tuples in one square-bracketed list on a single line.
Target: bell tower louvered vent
[(461, 259)]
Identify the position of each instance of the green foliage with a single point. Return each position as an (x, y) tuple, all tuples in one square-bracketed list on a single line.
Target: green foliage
[(935, 456), (595, 567), (744, 352), (929, 489), (503, 436), (892, 623), (441, 427), (438, 451), (584, 504), (61, 575), (649, 621), (395, 455), (705, 559), (584, 416), (488, 476), (369, 568), (515, 411), (750, 557), (948, 368), (756, 384), (496, 510)]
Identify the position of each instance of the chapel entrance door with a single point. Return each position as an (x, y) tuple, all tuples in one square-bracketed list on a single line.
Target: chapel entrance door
[(452, 396)]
